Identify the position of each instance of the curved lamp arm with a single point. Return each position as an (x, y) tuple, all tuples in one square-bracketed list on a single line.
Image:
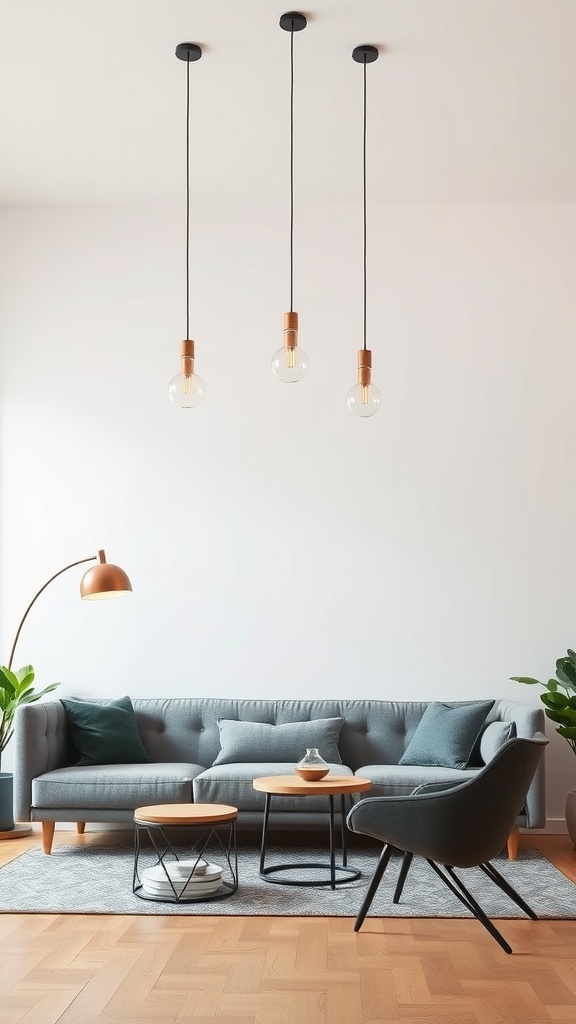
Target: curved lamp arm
[(102, 580), (36, 596)]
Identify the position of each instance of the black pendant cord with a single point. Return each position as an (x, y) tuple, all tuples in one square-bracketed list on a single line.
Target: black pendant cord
[(188, 199), (364, 190), (292, 168)]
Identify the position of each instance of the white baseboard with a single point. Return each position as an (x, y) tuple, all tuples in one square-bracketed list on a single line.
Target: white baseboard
[(554, 827)]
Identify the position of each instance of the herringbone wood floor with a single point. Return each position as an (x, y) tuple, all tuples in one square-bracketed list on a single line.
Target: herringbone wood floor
[(231, 970)]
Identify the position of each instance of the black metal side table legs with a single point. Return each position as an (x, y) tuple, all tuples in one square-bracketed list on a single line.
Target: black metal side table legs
[(340, 873), (217, 838)]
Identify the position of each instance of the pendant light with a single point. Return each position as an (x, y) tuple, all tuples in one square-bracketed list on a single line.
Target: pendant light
[(364, 399), (290, 363), (187, 389)]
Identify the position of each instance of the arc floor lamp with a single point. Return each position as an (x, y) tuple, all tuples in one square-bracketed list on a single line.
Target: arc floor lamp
[(102, 580)]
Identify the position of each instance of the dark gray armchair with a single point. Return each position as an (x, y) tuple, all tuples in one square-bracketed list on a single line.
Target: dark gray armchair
[(451, 826)]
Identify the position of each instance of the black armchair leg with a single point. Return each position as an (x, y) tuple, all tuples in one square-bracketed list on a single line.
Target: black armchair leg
[(503, 884), (456, 886), (408, 857), (374, 883)]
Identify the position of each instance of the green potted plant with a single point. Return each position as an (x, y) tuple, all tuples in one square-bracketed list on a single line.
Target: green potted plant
[(559, 700), (16, 688)]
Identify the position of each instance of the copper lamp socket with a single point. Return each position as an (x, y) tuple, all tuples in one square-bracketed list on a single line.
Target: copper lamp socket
[(187, 357), (291, 330), (364, 366)]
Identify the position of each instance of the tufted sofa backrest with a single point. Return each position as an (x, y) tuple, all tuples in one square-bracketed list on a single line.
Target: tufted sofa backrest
[(374, 732)]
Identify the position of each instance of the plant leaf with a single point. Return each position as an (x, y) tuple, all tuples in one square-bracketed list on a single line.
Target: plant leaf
[(566, 672), (16, 689), (25, 693), (567, 731), (526, 679), (567, 716), (552, 685), (556, 701), (6, 683), (26, 683), (554, 716), (22, 674), (10, 675)]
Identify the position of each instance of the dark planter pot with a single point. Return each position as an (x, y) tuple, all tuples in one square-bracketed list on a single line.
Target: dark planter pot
[(571, 815), (6, 802)]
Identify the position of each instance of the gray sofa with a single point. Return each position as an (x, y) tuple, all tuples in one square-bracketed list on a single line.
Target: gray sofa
[(181, 736)]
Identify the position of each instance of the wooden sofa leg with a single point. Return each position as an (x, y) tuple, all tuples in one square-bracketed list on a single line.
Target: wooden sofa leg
[(80, 826), (513, 841), (47, 835)]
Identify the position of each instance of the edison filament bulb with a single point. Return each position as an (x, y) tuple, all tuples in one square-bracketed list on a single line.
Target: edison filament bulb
[(187, 389), (364, 399), (290, 363)]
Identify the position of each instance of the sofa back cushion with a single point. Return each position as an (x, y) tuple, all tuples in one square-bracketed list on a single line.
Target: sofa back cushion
[(186, 729), (374, 731)]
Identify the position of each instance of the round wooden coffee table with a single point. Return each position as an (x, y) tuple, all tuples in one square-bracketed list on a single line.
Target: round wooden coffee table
[(168, 882), (330, 786)]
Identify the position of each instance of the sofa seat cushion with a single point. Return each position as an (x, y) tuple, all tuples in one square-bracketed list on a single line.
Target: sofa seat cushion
[(115, 786), (400, 779), (232, 784)]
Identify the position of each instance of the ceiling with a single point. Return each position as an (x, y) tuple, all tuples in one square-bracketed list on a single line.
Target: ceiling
[(471, 101)]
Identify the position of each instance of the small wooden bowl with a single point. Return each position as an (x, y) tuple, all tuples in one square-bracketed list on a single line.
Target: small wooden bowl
[(312, 774)]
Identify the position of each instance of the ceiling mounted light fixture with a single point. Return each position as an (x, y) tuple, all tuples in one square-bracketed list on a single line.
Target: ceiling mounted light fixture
[(290, 363), (364, 399), (187, 389)]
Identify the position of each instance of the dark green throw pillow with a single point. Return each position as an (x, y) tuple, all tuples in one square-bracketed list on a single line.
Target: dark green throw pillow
[(105, 733), (446, 734)]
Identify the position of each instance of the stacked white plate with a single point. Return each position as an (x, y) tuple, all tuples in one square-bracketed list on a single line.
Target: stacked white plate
[(190, 880)]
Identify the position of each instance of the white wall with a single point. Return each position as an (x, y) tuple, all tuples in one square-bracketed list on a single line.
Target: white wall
[(277, 545)]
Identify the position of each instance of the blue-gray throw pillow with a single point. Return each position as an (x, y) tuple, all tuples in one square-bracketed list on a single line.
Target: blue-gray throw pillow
[(105, 733), (493, 737), (243, 742), (446, 734)]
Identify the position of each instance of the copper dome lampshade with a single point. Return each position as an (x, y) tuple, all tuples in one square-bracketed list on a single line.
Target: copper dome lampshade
[(104, 580)]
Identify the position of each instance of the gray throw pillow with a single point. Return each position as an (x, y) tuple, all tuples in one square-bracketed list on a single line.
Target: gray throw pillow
[(446, 734), (493, 737), (243, 742), (106, 732)]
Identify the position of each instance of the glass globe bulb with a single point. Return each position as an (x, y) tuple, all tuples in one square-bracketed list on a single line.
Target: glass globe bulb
[(290, 364), (364, 399), (186, 391)]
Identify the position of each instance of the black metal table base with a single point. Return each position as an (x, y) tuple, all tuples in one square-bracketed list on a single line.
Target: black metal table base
[(350, 874), (165, 853), (339, 873)]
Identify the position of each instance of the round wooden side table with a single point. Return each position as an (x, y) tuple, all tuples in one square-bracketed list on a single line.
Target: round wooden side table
[(162, 825), (330, 786)]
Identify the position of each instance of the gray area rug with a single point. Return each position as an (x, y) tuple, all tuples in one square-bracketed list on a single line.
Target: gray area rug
[(98, 880)]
